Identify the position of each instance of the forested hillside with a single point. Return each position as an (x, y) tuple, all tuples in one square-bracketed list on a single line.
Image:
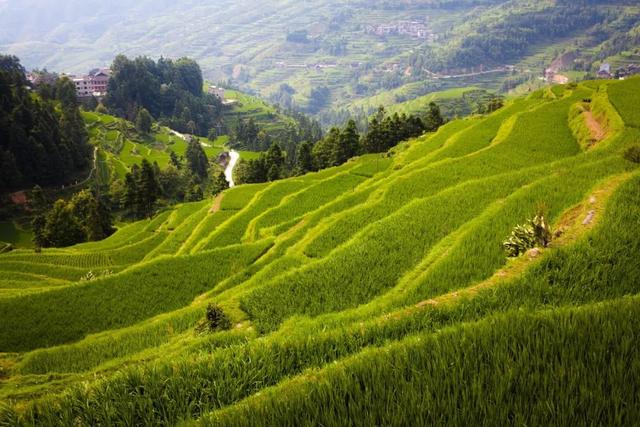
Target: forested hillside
[(42, 141), (484, 272)]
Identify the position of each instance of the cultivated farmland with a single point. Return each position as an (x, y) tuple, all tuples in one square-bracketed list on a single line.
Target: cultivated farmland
[(374, 293)]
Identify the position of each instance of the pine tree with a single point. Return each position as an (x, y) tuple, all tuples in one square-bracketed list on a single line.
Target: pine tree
[(349, 143), (274, 156), (219, 184), (38, 200), (144, 121), (326, 150), (304, 158), (197, 161), (148, 189), (434, 119), (175, 160)]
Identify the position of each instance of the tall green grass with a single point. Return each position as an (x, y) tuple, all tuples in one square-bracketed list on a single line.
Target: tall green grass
[(68, 314), (519, 368), (166, 392), (623, 96)]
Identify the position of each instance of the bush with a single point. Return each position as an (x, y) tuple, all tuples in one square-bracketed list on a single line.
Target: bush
[(217, 320), (633, 154), (534, 232)]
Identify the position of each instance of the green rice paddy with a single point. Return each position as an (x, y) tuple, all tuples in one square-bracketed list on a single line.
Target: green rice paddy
[(374, 293)]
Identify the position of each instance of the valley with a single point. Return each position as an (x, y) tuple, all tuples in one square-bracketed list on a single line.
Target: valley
[(325, 58), (319, 213), (331, 288)]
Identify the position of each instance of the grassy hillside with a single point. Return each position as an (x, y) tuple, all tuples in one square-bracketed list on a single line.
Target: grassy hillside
[(120, 145), (374, 293)]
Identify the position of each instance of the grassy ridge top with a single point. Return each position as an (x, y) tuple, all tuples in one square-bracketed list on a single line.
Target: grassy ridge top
[(384, 273)]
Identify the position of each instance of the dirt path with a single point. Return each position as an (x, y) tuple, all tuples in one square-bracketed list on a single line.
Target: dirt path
[(597, 131), (216, 203)]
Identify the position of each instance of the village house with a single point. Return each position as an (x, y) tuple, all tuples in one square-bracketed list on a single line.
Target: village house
[(216, 91), (605, 71), (93, 84), (629, 70)]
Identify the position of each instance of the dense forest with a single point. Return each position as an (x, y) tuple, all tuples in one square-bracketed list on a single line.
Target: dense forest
[(171, 91), (42, 141)]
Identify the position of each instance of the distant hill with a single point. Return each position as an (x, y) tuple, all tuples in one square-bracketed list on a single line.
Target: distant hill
[(320, 56), (379, 292)]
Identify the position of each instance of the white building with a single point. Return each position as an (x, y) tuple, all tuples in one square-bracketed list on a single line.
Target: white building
[(217, 91), (93, 84)]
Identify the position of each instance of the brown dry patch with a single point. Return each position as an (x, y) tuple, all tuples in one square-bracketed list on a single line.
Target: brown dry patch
[(7, 361), (216, 203), (598, 132)]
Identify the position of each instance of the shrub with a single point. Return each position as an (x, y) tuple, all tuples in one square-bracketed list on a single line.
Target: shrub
[(217, 319), (534, 232), (633, 154)]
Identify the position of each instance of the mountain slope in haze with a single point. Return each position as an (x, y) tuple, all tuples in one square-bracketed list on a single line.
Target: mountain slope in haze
[(321, 56), (376, 292)]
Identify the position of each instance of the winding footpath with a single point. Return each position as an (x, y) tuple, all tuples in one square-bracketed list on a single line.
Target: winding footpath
[(228, 172)]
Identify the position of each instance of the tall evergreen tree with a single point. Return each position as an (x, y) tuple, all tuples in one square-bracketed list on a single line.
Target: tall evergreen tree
[(433, 119), (304, 158), (348, 143), (148, 188), (197, 161), (143, 121), (219, 184)]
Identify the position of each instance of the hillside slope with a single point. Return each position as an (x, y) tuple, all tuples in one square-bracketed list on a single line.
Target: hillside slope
[(376, 292), (323, 56)]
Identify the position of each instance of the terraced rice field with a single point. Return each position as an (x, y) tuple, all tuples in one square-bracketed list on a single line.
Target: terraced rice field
[(374, 293)]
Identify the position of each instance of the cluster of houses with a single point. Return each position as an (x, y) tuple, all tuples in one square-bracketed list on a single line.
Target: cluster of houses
[(606, 72), (317, 66), (216, 91), (414, 29), (94, 83)]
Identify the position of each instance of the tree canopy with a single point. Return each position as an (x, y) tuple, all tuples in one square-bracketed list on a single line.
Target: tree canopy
[(39, 143), (171, 91)]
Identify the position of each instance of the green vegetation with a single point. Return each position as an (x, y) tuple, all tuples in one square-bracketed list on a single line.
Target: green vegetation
[(42, 138), (377, 291)]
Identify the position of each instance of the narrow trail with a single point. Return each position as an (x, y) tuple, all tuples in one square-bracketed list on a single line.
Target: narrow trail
[(572, 226), (216, 203), (598, 133)]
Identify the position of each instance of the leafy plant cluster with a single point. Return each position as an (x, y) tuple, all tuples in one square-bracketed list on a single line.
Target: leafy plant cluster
[(85, 217), (534, 233)]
